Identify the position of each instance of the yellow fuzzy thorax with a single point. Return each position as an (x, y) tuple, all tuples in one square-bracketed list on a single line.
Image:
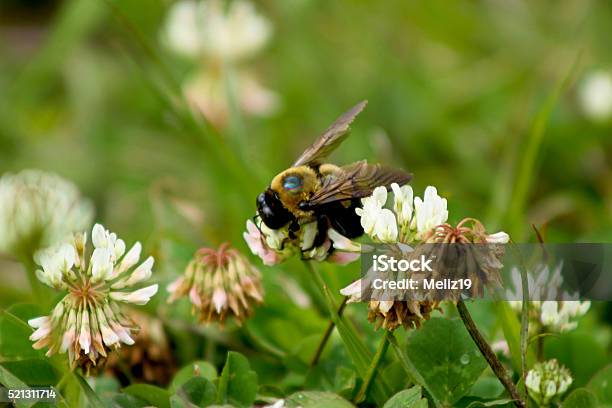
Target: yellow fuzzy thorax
[(291, 199)]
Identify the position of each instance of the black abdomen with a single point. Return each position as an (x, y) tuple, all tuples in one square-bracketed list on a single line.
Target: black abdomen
[(343, 218)]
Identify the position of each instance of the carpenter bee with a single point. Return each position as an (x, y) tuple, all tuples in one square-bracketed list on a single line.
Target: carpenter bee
[(313, 191)]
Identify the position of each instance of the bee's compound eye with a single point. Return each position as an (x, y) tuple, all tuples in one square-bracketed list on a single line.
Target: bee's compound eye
[(292, 183)]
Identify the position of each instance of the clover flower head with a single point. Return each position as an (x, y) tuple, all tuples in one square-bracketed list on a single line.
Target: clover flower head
[(546, 381), (38, 209), (418, 223), (595, 95), (274, 246), (390, 314), (213, 29), (411, 218), (89, 322), (550, 307), (206, 91), (467, 231), (219, 283), (384, 307)]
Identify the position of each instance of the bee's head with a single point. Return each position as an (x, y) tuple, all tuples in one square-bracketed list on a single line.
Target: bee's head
[(295, 185), (271, 210)]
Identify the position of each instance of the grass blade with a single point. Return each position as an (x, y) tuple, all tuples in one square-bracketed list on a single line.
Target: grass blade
[(527, 166)]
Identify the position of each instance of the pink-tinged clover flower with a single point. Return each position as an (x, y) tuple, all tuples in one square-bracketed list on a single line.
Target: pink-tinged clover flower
[(219, 283), (275, 246), (89, 322)]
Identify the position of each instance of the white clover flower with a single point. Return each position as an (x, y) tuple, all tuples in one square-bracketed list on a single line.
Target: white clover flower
[(353, 291), (500, 237), (219, 283), (430, 211), (88, 321), (343, 243), (554, 315), (595, 95), (213, 29), (385, 228), (371, 208), (546, 381), (411, 219), (39, 209), (403, 203)]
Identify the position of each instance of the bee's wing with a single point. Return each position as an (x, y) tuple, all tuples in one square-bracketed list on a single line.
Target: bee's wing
[(331, 138), (357, 180)]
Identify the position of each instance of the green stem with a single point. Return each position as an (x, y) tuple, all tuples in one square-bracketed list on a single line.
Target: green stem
[(367, 381), (525, 304), (525, 331), (316, 274), (489, 355), (327, 335)]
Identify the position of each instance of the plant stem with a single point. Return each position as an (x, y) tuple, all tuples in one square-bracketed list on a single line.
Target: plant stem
[(330, 327), (316, 274), (489, 355), (525, 304), (327, 334), (380, 353)]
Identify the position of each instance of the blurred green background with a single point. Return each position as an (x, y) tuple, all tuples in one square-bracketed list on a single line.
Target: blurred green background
[(480, 99), (455, 94)]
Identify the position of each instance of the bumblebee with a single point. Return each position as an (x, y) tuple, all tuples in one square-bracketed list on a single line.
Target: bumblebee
[(312, 191)]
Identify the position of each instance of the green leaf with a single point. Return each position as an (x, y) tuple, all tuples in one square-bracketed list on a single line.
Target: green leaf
[(601, 386), (511, 327), (93, 400), (178, 402), (8, 380), (357, 350), (194, 369), (446, 357), (153, 395), (15, 332), (316, 399), (128, 401), (33, 372), (397, 378), (570, 349), (237, 384), (198, 392), (496, 403), (528, 164), (580, 398), (487, 387), (410, 398), (332, 377)]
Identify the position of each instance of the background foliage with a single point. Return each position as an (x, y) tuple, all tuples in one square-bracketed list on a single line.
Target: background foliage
[(476, 98)]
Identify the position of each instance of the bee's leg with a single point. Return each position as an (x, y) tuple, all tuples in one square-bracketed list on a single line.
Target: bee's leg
[(293, 228), (322, 227)]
